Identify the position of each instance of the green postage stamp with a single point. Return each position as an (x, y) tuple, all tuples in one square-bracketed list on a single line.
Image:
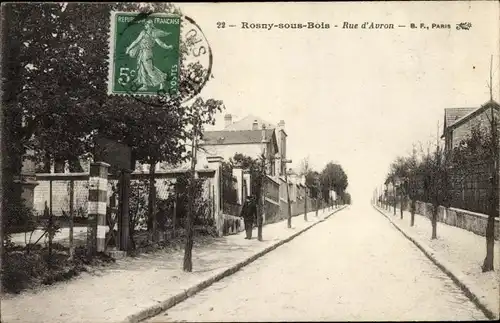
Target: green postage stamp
[(144, 54)]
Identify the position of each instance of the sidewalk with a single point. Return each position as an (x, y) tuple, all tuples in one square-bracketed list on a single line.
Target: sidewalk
[(137, 288), (459, 251)]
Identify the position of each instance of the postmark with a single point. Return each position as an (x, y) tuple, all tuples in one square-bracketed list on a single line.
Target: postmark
[(172, 58)]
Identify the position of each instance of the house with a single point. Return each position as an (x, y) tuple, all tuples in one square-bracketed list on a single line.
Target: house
[(458, 122), (250, 136)]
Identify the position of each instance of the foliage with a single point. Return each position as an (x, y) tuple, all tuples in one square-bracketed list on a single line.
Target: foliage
[(347, 198), (201, 205), (255, 167), (19, 219), (476, 146), (138, 208), (229, 192), (21, 270), (61, 71), (334, 178), (312, 182)]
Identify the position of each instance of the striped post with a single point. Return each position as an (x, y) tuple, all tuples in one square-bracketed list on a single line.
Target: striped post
[(98, 197)]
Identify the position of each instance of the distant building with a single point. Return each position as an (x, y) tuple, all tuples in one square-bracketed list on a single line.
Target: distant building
[(458, 122), (249, 136)]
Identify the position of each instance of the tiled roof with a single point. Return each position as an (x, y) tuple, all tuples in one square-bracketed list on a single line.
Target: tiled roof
[(475, 112), (226, 137), (453, 114), (247, 123)]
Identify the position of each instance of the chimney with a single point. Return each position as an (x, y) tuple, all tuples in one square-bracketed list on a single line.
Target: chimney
[(228, 119), (281, 124), (264, 139), (255, 125)]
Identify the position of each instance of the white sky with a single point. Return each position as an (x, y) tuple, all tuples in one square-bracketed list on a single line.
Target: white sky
[(356, 97)]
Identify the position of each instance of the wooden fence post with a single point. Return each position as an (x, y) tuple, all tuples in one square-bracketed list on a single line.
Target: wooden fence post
[(124, 224), (71, 218)]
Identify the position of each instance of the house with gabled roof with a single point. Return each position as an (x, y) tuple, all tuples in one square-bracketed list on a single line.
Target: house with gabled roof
[(249, 136), (458, 122)]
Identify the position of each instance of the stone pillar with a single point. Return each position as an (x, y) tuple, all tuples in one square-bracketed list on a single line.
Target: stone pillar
[(215, 163), (97, 203), (238, 173), (247, 177), (27, 180)]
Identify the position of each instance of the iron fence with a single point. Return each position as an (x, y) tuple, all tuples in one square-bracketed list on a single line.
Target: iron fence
[(469, 188)]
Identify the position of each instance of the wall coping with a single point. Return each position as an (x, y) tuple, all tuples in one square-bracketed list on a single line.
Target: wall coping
[(481, 215), (84, 176), (271, 201), (273, 179)]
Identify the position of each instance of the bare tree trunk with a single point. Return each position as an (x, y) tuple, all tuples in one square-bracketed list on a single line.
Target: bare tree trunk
[(435, 210), (488, 264), (260, 219), (401, 206), (71, 216), (305, 207), (174, 218), (188, 262), (317, 206), (50, 227), (412, 210), (152, 223), (395, 202)]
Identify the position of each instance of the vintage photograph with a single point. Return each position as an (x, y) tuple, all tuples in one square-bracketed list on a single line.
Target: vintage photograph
[(250, 161)]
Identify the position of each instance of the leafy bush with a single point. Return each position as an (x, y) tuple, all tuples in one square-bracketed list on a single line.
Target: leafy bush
[(229, 192), (138, 208), (20, 219), (22, 270)]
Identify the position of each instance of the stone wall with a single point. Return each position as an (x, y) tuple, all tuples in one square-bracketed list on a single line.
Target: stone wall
[(61, 192), (470, 221)]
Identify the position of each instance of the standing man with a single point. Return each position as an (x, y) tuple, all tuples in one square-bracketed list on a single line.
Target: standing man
[(249, 213)]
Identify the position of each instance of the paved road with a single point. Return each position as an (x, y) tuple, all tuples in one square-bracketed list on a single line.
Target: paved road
[(354, 266)]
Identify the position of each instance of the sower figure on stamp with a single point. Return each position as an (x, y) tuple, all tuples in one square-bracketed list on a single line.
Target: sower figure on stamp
[(142, 49), (249, 214)]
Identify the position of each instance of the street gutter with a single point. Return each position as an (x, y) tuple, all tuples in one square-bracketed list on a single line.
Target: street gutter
[(469, 288), (170, 302)]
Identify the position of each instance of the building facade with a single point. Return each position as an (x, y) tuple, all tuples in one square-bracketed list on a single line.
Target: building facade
[(459, 122)]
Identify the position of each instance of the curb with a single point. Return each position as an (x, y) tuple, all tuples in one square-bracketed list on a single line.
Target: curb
[(472, 292), (174, 300)]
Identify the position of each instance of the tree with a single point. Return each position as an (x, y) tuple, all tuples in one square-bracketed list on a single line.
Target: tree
[(254, 166), (481, 145), (436, 183), (391, 179), (400, 169), (258, 177), (57, 74), (311, 177), (488, 264), (411, 188), (199, 113), (347, 198), (334, 178), (305, 168)]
